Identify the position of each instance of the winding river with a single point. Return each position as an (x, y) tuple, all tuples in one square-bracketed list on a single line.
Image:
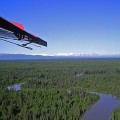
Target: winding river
[(102, 109)]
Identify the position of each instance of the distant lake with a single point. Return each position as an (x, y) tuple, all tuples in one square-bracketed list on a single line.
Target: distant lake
[(102, 109), (15, 87)]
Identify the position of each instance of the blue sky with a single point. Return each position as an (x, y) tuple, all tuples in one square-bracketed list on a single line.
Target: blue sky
[(69, 26)]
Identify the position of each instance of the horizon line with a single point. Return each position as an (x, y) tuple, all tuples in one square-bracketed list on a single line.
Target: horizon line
[(63, 54)]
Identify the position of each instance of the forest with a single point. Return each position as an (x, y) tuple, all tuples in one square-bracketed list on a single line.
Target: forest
[(56, 89)]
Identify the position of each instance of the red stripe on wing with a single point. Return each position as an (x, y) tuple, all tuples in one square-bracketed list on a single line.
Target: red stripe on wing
[(18, 25)]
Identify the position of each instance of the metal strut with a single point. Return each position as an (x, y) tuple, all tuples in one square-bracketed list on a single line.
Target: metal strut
[(16, 44)]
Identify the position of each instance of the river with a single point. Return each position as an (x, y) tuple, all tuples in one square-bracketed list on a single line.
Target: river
[(15, 87), (102, 109)]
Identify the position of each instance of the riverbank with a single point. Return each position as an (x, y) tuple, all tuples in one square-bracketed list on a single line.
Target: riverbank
[(115, 114), (103, 108)]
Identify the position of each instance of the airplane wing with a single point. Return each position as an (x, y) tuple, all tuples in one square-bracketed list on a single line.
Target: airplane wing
[(19, 32)]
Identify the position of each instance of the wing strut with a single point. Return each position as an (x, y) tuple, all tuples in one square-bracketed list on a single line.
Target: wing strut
[(17, 44)]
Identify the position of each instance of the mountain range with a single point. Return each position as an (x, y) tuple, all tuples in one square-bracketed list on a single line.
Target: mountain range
[(73, 56)]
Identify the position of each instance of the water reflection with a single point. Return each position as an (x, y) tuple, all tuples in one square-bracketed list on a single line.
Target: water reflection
[(103, 108), (15, 87)]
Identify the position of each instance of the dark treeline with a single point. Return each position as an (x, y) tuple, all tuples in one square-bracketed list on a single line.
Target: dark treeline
[(55, 89)]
